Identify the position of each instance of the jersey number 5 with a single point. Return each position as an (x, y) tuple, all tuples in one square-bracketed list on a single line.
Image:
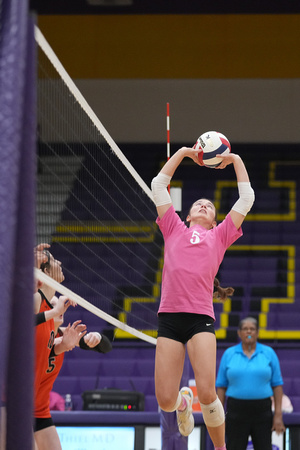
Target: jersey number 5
[(51, 364), (195, 239)]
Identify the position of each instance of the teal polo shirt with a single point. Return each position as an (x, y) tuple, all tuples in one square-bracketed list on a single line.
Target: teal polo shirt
[(249, 378)]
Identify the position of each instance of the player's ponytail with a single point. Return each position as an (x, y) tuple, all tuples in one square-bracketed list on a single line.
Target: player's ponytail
[(220, 292)]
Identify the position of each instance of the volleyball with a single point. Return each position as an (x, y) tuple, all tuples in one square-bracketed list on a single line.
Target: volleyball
[(212, 143)]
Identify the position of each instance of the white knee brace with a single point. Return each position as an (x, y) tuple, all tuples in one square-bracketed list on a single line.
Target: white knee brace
[(213, 414)]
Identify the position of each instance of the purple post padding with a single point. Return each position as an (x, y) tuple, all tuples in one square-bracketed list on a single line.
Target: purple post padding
[(170, 435), (209, 445), (17, 207)]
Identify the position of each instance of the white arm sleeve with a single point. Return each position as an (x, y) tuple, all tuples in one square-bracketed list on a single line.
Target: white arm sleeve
[(160, 193), (246, 200)]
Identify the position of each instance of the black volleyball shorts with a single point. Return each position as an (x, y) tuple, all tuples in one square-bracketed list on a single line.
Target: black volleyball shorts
[(183, 326)]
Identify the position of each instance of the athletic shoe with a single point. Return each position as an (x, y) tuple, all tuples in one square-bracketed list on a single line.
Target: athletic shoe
[(185, 418)]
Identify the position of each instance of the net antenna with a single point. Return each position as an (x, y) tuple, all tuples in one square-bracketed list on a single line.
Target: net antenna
[(168, 137), (94, 209)]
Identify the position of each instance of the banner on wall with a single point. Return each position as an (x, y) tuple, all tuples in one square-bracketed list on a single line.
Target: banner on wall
[(153, 439)]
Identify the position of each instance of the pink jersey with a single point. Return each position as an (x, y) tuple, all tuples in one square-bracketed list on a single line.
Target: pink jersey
[(192, 258)]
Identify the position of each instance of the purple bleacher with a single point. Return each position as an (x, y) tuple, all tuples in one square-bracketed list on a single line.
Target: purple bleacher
[(138, 353), (125, 368), (114, 367), (290, 368), (144, 307), (254, 277), (145, 367), (288, 388), (283, 320), (91, 320), (295, 386), (284, 308), (73, 314), (134, 383), (78, 353), (249, 262), (295, 402), (288, 353), (143, 321), (117, 353), (84, 367), (77, 402), (66, 385), (76, 385), (89, 383), (151, 403)]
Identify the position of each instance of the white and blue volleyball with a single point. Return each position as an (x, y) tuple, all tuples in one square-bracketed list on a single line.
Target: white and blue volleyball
[(212, 143)]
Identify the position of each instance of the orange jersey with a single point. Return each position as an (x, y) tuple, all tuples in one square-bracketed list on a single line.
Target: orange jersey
[(44, 339), (42, 398)]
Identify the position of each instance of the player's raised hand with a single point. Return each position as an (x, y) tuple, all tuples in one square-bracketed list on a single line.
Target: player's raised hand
[(62, 304), (92, 339)]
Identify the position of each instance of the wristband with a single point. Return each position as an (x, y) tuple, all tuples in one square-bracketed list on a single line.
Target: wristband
[(104, 345), (40, 318)]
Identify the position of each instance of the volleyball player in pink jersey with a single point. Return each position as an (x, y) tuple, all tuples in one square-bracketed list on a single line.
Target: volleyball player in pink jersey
[(192, 257)]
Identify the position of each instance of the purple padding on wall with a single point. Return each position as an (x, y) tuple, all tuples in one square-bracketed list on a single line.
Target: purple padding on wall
[(171, 437), (17, 199)]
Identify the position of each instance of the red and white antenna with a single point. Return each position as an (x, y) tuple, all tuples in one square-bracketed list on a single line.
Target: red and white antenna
[(168, 135), (168, 131), (175, 192)]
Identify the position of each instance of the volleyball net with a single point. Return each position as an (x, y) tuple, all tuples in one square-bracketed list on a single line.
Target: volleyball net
[(94, 210)]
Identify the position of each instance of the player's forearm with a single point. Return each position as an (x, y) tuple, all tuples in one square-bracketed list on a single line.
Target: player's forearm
[(51, 313), (170, 167), (63, 346), (44, 316), (240, 169)]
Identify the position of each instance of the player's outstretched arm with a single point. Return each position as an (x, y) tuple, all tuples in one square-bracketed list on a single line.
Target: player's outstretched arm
[(161, 182), (246, 193)]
